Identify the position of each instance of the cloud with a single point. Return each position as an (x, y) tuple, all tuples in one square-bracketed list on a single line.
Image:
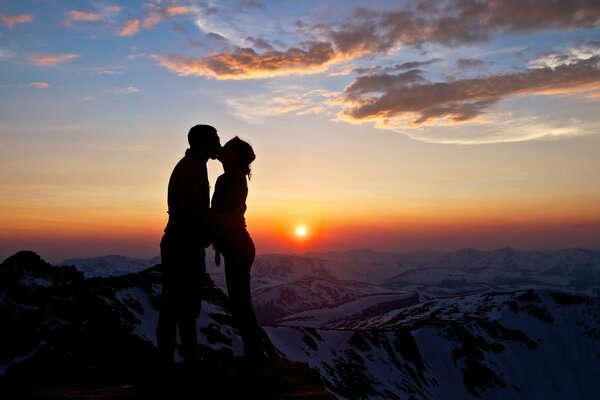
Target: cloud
[(376, 69), (260, 44), (50, 59), (124, 90), (113, 9), (252, 4), (504, 129), (571, 56), (465, 63), (155, 15), (133, 54), (10, 20), (34, 85), (86, 16), (6, 54), (283, 100), (414, 64), (246, 63), (81, 16), (453, 23), (39, 85), (130, 28), (408, 98), (117, 70), (370, 32), (173, 10)]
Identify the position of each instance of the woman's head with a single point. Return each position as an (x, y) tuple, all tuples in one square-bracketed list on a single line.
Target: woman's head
[(237, 153)]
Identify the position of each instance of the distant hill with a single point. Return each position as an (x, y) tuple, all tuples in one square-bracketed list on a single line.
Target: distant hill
[(111, 265), (285, 284)]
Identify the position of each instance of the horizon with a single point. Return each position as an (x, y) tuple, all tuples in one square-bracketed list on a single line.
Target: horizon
[(55, 262), (396, 126)]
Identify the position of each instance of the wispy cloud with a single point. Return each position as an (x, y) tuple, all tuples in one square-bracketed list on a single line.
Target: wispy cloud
[(133, 53), (6, 54), (408, 97), (33, 85), (570, 56), (50, 59), (252, 4), (10, 20), (409, 65), (124, 90), (81, 16), (503, 129), (286, 100), (39, 85), (155, 15), (130, 28), (108, 71)]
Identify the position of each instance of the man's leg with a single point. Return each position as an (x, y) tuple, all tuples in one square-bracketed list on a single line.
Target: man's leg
[(191, 301), (189, 338), (166, 331)]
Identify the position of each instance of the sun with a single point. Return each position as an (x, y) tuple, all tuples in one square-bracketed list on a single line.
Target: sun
[(301, 231)]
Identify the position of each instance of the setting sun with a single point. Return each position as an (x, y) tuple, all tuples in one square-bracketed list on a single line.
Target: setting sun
[(301, 231)]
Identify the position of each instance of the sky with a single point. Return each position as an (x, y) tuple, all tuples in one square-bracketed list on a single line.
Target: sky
[(391, 125)]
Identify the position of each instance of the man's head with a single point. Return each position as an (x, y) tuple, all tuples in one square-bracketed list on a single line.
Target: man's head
[(204, 140)]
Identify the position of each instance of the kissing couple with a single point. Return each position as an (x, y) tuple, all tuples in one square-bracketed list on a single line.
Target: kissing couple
[(195, 223)]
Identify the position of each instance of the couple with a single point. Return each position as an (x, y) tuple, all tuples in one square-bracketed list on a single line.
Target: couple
[(194, 225)]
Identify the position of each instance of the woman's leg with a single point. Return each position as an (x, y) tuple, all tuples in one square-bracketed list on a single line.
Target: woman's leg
[(237, 274)]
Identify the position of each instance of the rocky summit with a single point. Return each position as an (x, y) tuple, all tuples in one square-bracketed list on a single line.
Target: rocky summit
[(67, 337)]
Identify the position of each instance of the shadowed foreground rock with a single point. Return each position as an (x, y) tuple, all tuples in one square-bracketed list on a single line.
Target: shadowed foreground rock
[(216, 377), (66, 337)]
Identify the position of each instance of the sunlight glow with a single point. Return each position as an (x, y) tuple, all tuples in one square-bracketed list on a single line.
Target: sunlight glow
[(301, 231)]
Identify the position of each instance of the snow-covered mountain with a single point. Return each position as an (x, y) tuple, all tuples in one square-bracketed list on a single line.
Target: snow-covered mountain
[(358, 310), (512, 345), (284, 284), (366, 339), (469, 270)]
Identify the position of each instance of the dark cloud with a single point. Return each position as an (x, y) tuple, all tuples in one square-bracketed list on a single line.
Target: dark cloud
[(252, 4), (260, 44), (376, 69), (464, 63), (399, 96), (456, 22), (414, 64), (383, 83)]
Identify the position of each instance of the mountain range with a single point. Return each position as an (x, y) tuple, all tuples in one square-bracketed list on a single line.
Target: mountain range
[(424, 325)]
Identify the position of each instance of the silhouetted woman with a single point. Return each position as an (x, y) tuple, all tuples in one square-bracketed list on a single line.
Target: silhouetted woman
[(236, 245)]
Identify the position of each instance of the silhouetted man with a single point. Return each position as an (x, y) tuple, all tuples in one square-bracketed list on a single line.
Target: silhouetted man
[(182, 247)]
